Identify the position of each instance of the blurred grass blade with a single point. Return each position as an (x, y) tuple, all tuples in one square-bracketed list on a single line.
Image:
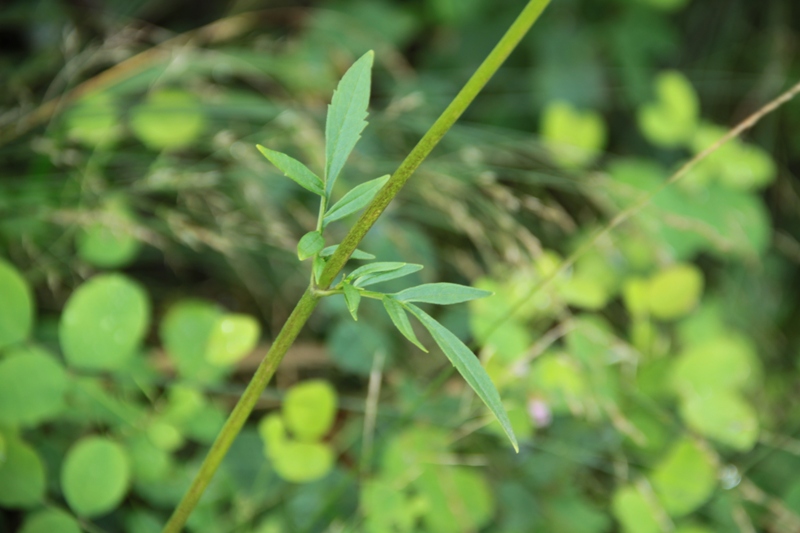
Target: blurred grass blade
[(346, 117), (294, 169), (441, 294), (469, 367)]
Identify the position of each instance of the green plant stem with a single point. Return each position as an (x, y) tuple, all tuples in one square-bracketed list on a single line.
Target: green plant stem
[(432, 137), (309, 300), (242, 410)]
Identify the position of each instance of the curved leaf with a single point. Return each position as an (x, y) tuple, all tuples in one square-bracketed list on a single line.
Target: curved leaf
[(355, 200), (441, 294), (468, 366), (397, 313), (295, 170)]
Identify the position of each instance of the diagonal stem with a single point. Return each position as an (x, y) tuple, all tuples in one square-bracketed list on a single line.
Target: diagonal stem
[(310, 298)]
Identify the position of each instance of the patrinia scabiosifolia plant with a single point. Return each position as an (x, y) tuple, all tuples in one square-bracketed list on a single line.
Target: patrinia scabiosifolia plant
[(345, 122)]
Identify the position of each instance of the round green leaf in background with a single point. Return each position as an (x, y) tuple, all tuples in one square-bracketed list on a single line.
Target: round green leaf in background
[(685, 478), (459, 498), (22, 475), (675, 291), (721, 363), (168, 119), (723, 416), (16, 312), (232, 338), (109, 243), (50, 521), (299, 462), (185, 332), (634, 512), (309, 409), (94, 121), (575, 137), (32, 386), (103, 322), (95, 476), (671, 120)]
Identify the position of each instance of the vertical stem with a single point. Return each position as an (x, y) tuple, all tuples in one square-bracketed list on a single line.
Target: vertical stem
[(309, 301), (242, 410), (429, 141)]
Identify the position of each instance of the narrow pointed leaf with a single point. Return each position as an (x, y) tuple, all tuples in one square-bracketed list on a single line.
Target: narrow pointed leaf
[(468, 366), (352, 298), (310, 244), (355, 200), (357, 254), (295, 170), (372, 268), (399, 318), (372, 279), (346, 117), (441, 294), (317, 266)]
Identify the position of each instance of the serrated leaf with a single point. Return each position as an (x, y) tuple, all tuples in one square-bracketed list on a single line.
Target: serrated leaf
[(295, 170), (397, 313), (355, 200), (310, 244), (441, 294), (372, 279), (468, 366), (346, 117), (357, 254), (352, 298)]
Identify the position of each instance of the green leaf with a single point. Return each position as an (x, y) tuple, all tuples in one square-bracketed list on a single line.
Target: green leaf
[(22, 476), (685, 478), (672, 120), (232, 338), (469, 367), (374, 268), (310, 244), (724, 362), (103, 323), (109, 242), (50, 521), (318, 266), (380, 277), (32, 386), (295, 170), (346, 117), (723, 416), (299, 462), (94, 121), (185, 332), (574, 137), (16, 312), (309, 410), (674, 292), (397, 313), (95, 476), (352, 298), (460, 499), (355, 199), (357, 254), (441, 294), (169, 119), (634, 511)]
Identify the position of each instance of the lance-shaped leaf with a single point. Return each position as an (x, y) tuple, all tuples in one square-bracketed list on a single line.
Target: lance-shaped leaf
[(318, 266), (352, 298), (295, 170), (372, 279), (441, 294), (346, 117), (372, 268), (468, 366), (399, 318), (310, 244), (355, 200), (357, 254)]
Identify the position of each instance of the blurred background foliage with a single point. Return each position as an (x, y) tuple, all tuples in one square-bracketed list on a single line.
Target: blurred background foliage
[(147, 259)]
